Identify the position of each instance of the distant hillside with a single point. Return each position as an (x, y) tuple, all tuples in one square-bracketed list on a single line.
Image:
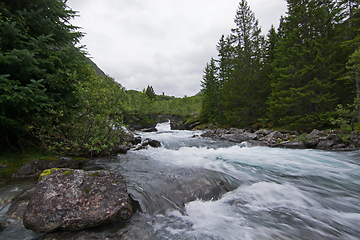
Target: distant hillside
[(96, 68)]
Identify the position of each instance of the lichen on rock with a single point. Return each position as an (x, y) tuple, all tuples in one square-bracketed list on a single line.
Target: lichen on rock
[(69, 199)]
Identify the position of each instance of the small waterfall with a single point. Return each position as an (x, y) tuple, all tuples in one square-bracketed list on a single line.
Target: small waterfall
[(164, 126)]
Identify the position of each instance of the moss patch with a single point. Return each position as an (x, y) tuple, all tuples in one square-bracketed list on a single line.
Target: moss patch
[(68, 172), (93, 174), (47, 172)]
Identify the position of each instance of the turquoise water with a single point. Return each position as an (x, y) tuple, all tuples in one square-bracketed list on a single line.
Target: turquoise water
[(262, 193)]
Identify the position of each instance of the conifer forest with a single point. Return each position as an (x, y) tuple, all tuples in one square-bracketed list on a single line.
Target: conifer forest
[(301, 76)]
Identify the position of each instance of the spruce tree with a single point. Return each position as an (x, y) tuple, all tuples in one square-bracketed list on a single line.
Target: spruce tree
[(37, 54), (210, 90), (150, 93), (305, 66), (242, 101), (225, 69)]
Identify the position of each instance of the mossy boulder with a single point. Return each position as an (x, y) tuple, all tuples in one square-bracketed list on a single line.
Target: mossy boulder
[(71, 199)]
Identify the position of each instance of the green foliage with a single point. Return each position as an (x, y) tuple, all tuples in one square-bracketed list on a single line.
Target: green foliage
[(292, 78), (142, 110), (150, 93), (95, 128), (37, 53), (345, 117), (234, 92), (211, 91), (303, 82), (14, 160)]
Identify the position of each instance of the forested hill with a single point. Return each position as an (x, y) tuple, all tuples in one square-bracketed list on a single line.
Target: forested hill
[(303, 75), (50, 95), (53, 97)]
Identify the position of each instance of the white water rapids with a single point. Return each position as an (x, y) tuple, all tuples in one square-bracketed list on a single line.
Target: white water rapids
[(284, 193), (271, 193)]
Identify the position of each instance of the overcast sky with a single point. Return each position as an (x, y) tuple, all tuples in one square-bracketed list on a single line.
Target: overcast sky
[(162, 43)]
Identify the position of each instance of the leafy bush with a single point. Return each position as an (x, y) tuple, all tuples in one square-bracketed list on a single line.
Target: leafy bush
[(94, 128)]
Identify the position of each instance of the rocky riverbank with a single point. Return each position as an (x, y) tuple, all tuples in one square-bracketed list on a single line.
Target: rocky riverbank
[(325, 140)]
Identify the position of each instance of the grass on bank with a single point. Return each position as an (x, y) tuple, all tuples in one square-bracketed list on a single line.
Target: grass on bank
[(15, 159)]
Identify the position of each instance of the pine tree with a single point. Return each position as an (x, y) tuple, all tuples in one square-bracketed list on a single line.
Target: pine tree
[(37, 53), (305, 67), (150, 93), (225, 69), (241, 92), (210, 90), (271, 42)]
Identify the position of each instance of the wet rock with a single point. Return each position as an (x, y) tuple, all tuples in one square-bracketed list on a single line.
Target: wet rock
[(290, 144), (312, 143), (31, 169), (232, 135), (330, 141), (239, 138), (152, 129), (122, 149), (137, 228), (316, 134), (36, 167), (180, 186), (354, 138), (208, 134), (192, 125), (70, 199), (341, 146), (325, 144), (263, 132), (151, 142), (176, 125), (273, 137), (2, 166), (235, 131), (136, 140), (256, 143)]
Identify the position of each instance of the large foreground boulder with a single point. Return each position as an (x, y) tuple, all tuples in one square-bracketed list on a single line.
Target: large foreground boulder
[(68, 199)]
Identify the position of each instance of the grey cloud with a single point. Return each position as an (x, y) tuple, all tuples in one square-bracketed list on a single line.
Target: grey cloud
[(161, 43)]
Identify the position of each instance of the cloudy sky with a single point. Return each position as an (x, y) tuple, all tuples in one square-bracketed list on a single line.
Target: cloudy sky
[(162, 43)]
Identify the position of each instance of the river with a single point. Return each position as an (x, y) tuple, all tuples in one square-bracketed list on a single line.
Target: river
[(195, 188)]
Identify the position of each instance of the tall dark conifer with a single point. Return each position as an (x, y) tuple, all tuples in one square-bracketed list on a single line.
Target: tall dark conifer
[(241, 91), (305, 67), (37, 54), (225, 69), (210, 89)]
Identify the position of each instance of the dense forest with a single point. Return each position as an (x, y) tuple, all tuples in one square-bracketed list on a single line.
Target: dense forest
[(52, 96), (301, 76)]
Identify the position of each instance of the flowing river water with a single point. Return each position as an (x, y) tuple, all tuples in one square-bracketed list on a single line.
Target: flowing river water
[(196, 188)]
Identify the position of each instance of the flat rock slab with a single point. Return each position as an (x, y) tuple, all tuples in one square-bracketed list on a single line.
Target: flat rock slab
[(68, 199)]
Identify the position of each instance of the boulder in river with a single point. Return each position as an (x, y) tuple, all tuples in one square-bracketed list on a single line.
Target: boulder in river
[(290, 144), (36, 167), (69, 199), (153, 143)]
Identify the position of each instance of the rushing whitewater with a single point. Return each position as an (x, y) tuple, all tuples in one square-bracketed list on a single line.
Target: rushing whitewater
[(283, 193), (264, 193)]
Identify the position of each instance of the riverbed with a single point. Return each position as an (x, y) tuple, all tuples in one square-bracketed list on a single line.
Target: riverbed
[(196, 188)]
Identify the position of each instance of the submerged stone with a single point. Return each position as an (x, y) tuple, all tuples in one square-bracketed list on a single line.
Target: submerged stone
[(68, 199)]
